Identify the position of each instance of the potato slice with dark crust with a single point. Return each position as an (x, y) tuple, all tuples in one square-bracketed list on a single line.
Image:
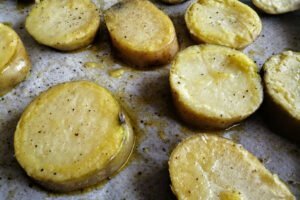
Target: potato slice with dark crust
[(14, 61), (63, 24), (214, 87), (228, 22), (210, 167), (282, 92), (72, 136), (142, 33), (277, 6)]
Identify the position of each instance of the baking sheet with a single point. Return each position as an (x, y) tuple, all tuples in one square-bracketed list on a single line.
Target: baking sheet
[(146, 95)]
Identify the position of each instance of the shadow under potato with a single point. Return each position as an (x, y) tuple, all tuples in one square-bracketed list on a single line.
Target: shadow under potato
[(9, 167), (279, 121), (155, 186)]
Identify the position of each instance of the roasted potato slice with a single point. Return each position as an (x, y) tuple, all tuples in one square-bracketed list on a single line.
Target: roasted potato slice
[(63, 24), (14, 61), (277, 6), (210, 167), (142, 33), (282, 91), (72, 136), (214, 87), (229, 23)]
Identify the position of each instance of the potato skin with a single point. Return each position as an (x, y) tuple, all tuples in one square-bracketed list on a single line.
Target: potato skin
[(173, 1), (16, 70), (200, 121), (141, 56), (279, 120), (145, 59)]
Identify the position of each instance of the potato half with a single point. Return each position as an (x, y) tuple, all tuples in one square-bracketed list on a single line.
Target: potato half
[(72, 136), (282, 92), (142, 33), (229, 23), (63, 24), (214, 87), (277, 6), (210, 167), (14, 61)]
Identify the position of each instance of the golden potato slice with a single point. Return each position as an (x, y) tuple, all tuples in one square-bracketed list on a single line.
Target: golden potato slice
[(282, 87), (277, 6), (229, 23), (210, 167), (8, 44), (14, 61), (63, 24), (73, 136), (142, 33), (214, 86), (173, 1)]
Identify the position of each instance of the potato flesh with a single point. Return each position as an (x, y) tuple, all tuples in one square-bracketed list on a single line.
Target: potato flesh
[(15, 63), (149, 39), (71, 133), (63, 24), (148, 33), (229, 23), (216, 82), (210, 167), (282, 78), (277, 6), (8, 45)]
